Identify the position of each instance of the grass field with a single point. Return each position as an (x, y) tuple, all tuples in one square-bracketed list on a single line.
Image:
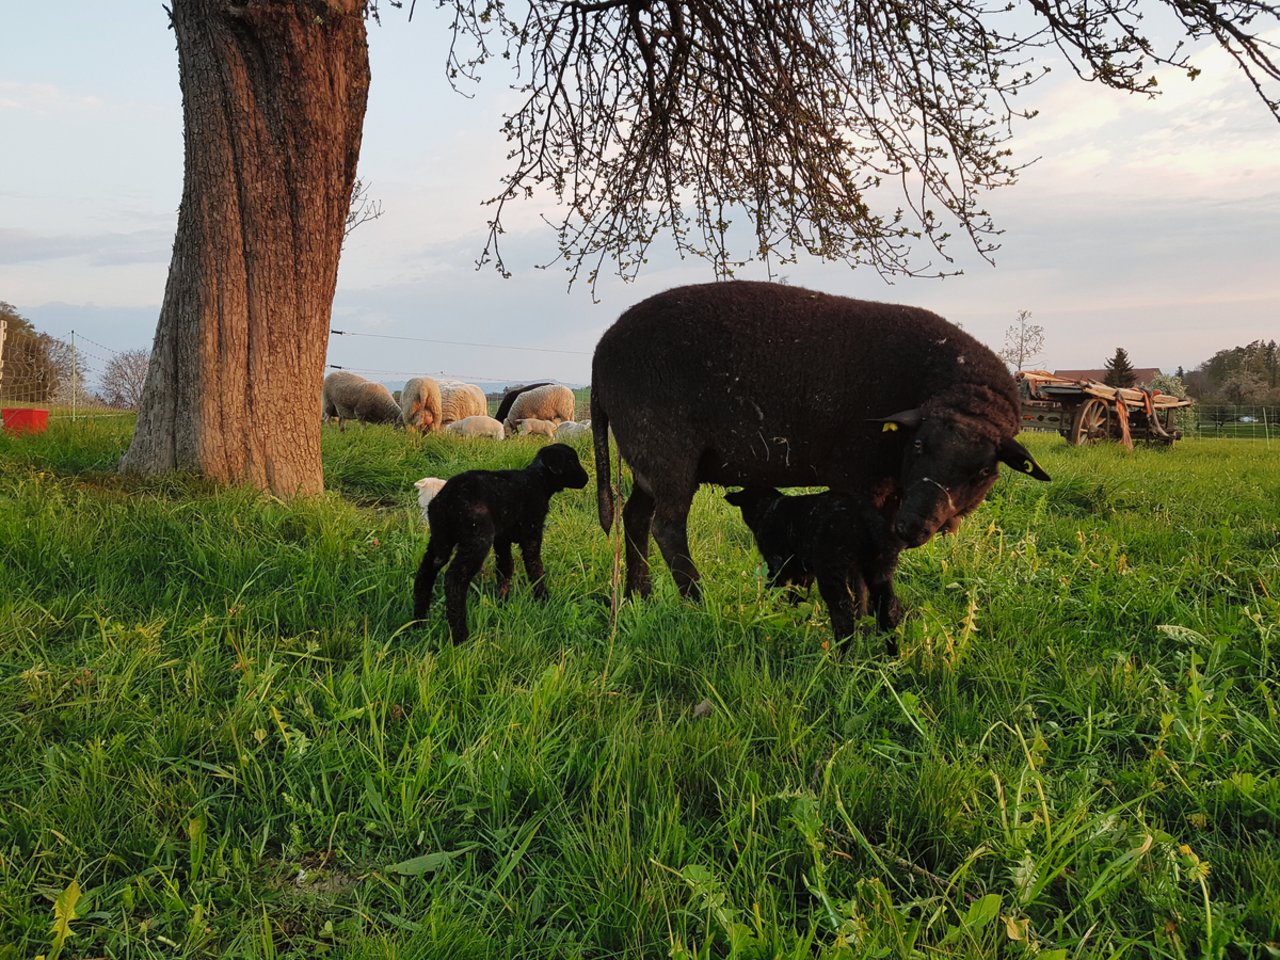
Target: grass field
[(218, 738)]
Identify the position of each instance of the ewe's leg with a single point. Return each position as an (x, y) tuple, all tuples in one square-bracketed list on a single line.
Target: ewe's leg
[(506, 567), (531, 554), (437, 555), (670, 529), (466, 564), (637, 516), (840, 604)]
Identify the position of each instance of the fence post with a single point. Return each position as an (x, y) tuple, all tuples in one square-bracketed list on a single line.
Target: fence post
[(73, 376)]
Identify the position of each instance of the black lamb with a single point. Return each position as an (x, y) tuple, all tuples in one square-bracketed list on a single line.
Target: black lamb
[(842, 542), (482, 509)]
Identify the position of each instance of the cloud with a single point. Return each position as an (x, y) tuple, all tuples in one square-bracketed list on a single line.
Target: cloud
[(45, 98), (99, 250)]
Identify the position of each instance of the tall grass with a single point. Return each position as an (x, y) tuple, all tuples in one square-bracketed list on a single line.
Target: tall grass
[(218, 729)]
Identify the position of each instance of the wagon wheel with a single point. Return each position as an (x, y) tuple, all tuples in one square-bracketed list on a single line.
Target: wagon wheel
[(1092, 422)]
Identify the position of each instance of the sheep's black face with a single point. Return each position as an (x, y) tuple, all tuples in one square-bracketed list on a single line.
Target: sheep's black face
[(753, 502), (561, 461), (946, 472)]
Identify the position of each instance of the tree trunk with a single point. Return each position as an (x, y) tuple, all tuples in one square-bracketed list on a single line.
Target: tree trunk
[(273, 95)]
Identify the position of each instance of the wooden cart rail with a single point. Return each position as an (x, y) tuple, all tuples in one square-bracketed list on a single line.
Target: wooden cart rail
[(1087, 411)]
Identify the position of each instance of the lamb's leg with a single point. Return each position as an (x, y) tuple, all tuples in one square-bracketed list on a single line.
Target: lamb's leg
[(670, 529), (637, 516), (839, 596), (531, 554), (466, 564), (437, 555), (887, 609), (506, 567)]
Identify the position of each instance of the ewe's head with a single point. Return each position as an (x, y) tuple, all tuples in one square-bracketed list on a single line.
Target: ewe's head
[(949, 463)]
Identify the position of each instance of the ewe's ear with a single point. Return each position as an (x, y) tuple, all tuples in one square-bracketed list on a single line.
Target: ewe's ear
[(908, 419), (1014, 454)]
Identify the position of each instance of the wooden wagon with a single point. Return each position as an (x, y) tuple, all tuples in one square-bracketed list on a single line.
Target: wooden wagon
[(1087, 411)]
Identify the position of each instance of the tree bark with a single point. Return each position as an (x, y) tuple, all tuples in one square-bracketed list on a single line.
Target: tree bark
[(273, 95)]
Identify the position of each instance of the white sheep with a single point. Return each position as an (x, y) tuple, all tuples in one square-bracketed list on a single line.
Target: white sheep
[(476, 426), (553, 402), (349, 396), (572, 429), (531, 426), (460, 400), (420, 405), (428, 487)]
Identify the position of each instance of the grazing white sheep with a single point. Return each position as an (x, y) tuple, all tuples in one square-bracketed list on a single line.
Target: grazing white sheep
[(532, 426), (420, 405), (428, 487), (572, 429), (460, 400), (552, 401), (477, 426), (349, 396)]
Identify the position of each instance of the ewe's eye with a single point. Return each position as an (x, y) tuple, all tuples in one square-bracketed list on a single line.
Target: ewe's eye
[(917, 446)]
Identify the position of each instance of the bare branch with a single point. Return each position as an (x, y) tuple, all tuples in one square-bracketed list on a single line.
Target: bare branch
[(799, 121)]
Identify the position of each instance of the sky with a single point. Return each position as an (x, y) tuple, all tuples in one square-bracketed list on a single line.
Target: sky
[(1148, 224)]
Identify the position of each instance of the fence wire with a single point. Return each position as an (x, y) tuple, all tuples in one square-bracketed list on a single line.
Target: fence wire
[(1246, 421)]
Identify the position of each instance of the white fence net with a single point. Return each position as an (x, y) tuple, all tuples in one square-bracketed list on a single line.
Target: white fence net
[(68, 376)]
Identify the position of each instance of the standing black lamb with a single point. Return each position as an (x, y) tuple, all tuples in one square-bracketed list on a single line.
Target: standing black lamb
[(762, 384), (482, 509), (842, 542)]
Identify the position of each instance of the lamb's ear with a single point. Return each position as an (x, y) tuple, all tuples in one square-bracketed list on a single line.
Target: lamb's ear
[(908, 419), (1014, 454)]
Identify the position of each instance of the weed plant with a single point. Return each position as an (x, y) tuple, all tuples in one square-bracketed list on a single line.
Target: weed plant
[(220, 736)]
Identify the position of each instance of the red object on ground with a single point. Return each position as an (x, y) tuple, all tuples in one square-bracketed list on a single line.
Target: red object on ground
[(25, 420)]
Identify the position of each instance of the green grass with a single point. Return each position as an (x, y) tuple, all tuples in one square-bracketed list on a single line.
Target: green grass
[(217, 729)]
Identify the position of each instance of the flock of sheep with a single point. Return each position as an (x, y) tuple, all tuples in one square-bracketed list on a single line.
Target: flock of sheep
[(451, 406)]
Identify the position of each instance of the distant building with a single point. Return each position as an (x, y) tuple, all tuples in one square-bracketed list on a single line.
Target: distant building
[(1142, 376)]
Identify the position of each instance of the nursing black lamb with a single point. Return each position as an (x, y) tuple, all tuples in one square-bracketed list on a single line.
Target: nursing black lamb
[(763, 384)]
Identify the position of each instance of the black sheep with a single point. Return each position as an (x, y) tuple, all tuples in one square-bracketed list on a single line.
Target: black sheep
[(842, 542), (762, 384), (482, 509)]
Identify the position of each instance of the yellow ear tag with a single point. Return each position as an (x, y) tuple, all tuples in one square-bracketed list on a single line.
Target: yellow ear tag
[(1028, 467), (889, 427)]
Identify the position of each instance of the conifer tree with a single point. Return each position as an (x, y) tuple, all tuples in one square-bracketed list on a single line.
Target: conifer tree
[(1119, 370)]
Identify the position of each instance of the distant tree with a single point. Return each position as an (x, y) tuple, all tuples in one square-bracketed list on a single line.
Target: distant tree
[(1243, 386), (124, 377), (1171, 385), (1119, 370), (1271, 363), (1023, 342), (35, 364), (1242, 375)]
